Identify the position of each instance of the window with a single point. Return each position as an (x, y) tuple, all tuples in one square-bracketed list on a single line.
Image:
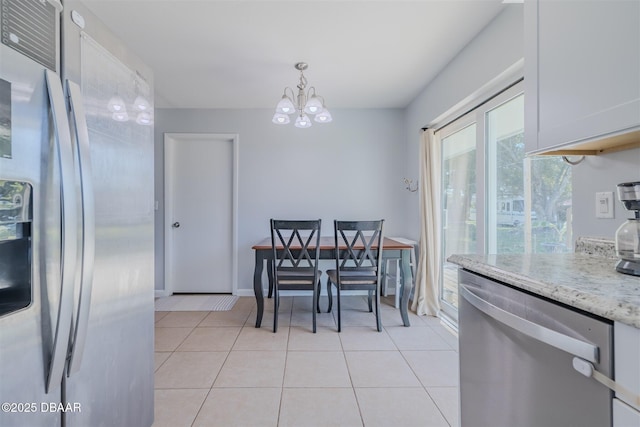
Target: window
[(494, 199)]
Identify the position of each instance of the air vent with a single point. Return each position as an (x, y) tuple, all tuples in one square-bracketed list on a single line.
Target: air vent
[(29, 26)]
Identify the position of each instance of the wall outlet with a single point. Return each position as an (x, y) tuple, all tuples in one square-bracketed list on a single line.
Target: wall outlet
[(604, 204)]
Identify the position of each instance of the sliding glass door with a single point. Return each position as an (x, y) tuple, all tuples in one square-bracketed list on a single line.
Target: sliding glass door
[(509, 213), (495, 199), (459, 208)]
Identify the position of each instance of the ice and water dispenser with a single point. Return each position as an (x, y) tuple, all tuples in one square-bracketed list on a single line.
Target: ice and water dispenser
[(15, 246)]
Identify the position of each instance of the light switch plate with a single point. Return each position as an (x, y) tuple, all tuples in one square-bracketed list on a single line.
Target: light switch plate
[(604, 204)]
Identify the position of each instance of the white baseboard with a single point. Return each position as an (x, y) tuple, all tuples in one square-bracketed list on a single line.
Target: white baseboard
[(160, 293), (245, 293), (249, 293)]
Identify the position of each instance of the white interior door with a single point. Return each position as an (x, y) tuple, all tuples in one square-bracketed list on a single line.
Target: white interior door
[(200, 250)]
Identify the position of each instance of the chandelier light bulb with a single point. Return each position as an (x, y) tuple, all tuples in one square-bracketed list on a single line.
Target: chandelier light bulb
[(280, 119), (314, 105), (120, 116), (303, 121), (143, 118), (141, 103), (285, 106), (116, 104), (323, 117)]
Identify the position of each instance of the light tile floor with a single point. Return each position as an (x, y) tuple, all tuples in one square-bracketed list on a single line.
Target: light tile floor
[(217, 369)]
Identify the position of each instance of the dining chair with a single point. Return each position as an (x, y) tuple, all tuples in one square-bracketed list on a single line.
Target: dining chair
[(296, 254), (358, 254)]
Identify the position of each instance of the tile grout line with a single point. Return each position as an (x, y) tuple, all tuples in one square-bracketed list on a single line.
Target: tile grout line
[(424, 387)]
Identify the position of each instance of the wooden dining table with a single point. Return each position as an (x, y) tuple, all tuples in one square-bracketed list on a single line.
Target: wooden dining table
[(391, 249)]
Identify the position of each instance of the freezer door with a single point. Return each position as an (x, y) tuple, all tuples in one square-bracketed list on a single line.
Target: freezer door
[(26, 336), (112, 380)]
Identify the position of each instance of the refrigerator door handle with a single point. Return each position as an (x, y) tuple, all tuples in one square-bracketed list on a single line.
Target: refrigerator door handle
[(548, 336), (79, 334), (69, 231)]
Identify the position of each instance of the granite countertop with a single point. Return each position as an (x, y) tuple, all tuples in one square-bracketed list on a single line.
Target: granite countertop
[(580, 280)]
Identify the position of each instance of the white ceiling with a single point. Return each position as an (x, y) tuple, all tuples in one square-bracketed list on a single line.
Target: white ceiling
[(241, 53)]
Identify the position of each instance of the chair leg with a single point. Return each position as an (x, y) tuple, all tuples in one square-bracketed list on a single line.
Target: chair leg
[(370, 301), (318, 296), (270, 278), (276, 303), (378, 320), (339, 309), (329, 295), (383, 274), (315, 305)]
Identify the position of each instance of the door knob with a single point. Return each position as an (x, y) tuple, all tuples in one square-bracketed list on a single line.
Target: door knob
[(176, 225)]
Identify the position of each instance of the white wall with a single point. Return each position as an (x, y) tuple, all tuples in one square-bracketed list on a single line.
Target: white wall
[(601, 173), (351, 168), (497, 48)]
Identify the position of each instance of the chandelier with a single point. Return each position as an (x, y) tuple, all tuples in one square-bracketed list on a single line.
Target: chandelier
[(307, 103)]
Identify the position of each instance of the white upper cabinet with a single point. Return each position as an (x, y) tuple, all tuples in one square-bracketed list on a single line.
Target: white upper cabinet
[(582, 74)]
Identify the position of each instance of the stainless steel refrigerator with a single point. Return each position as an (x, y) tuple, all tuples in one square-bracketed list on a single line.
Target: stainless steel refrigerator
[(76, 221)]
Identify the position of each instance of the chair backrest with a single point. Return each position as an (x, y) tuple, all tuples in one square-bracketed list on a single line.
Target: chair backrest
[(358, 246), (295, 244)]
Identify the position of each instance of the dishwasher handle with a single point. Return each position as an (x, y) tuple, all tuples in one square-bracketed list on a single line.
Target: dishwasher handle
[(548, 336)]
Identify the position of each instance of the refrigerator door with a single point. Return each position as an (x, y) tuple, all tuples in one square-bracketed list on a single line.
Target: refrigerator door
[(111, 377), (30, 155)]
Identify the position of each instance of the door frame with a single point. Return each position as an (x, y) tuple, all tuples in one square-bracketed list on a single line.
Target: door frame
[(168, 201)]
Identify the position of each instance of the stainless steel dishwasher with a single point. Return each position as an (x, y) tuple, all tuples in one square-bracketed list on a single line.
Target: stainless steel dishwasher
[(517, 353)]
